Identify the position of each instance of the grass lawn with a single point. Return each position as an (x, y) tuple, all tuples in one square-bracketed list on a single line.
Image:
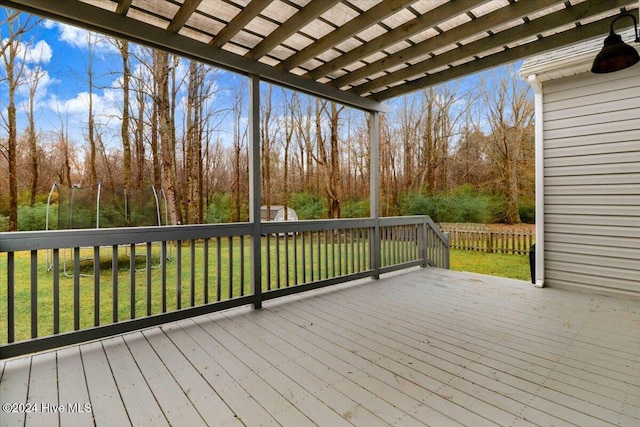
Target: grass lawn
[(224, 283), (502, 265), (228, 277)]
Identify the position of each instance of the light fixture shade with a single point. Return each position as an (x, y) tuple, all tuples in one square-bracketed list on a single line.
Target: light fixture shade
[(615, 55)]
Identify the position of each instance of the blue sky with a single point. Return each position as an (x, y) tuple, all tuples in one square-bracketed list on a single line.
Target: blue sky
[(61, 53)]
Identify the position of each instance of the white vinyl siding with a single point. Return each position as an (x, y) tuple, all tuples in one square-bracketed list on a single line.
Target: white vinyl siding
[(592, 181)]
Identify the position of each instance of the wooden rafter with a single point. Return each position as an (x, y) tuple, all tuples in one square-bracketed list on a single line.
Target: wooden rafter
[(123, 7), (234, 26), (503, 38), (404, 31), (482, 24), (183, 15), (579, 33), (360, 23), (305, 15)]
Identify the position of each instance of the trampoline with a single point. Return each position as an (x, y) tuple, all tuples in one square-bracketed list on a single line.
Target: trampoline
[(99, 207)]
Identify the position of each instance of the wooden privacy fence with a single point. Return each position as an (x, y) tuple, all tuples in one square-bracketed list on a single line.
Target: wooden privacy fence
[(491, 238)]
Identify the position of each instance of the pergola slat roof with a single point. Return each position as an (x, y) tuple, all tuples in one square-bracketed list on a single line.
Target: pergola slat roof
[(359, 52)]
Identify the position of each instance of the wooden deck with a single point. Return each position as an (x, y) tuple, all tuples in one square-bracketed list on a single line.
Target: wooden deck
[(424, 347)]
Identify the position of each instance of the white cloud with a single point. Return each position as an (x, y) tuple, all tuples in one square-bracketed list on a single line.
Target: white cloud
[(73, 36), (44, 81), (78, 37), (106, 107), (40, 53)]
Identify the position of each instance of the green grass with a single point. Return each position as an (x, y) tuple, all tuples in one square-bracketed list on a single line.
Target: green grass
[(228, 277), (229, 283), (502, 265)]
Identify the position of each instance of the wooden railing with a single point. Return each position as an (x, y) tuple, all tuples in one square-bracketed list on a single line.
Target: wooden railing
[(124, 279), (485, 238)]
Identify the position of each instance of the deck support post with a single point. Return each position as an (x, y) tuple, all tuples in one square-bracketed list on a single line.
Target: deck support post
[(254, 190), (374, 190)]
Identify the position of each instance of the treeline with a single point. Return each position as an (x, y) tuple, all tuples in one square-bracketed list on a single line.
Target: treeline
[(452, 152)]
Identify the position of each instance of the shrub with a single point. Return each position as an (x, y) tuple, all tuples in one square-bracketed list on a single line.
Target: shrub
[(307, 205), (465, 204), (219, 210), (4, 223), (527, 211), (420, 204), (355, 208), (31, 218)]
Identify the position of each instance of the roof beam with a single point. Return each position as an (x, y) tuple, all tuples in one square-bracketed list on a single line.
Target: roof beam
[(575, 35), (183, 15), (239, 21), (479, 25), (301, 18), (358, 24), (97, 19), (402, 32), (503, 38)]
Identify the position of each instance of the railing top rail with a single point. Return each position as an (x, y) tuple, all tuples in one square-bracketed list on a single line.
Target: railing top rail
[(56, 239), (402, 220), (437, 230), (315, 224)]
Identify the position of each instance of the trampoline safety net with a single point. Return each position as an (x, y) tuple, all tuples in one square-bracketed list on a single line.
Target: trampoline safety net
[(99, 207)]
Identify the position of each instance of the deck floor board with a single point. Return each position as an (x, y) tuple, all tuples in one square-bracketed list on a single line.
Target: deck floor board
[(425, 347), (14, 390), (139, 400), (73, 387), (105, 398)]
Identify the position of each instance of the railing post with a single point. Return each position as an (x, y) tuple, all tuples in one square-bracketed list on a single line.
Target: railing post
[(374, 191), (423, 243), (447, 252), (254, 190)]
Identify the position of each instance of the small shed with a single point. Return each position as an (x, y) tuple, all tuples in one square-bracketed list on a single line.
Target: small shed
[(587, 171), (277, 213)]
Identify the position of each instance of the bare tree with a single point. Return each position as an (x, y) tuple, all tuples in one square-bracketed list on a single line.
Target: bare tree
[(145, 121), (471, 165), (409, 119), (237, 166), (139, 132), (13, 54), (289, 128), (91, 132), (266, 143), (166, 133), (34, 79), (328, 156), (304, 136), (193, 147), (123, 48), (438, 124), (510, 111), (202, 118), (388, 168)]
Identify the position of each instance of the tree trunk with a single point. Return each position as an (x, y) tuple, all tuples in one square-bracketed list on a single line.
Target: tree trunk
[(139, 141), (265, 129), (167, 165), (123, 46), (93, 179), (33, 142)]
